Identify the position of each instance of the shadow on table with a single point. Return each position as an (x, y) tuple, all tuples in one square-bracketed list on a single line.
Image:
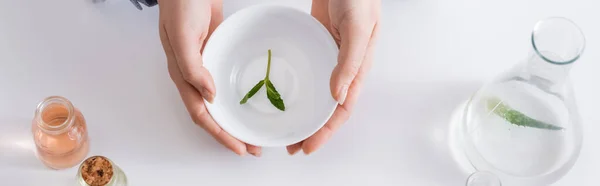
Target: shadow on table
[(406, 128), (17, 150)]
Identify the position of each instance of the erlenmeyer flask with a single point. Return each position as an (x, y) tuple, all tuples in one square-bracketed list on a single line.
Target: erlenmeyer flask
[(524, 125)]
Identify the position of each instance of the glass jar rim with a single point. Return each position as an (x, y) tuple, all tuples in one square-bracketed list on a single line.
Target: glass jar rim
[(41, 107)]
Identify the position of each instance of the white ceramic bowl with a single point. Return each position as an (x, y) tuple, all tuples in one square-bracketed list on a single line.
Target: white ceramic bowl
[(303, 57)]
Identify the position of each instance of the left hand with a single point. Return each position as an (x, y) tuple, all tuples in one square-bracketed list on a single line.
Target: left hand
[(185, 25), (354, 26)]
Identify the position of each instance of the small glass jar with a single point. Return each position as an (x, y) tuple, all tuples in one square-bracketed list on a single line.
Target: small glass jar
[(60, 133), (100, 171)]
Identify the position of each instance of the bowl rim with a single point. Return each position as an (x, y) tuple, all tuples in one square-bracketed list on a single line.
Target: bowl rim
[(287, 141)]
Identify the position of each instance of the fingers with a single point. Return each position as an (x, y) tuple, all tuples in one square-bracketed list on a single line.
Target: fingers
[(342, 112), (189, 61), (293, 149), (197, 110), (320, 11), (183, 41), (200, 78), (339, 117), (194, 103), (254, 150), (186, 38), (353, 48)]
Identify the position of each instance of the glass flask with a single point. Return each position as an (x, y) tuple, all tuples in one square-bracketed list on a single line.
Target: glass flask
[(60, 133), (524, 125)]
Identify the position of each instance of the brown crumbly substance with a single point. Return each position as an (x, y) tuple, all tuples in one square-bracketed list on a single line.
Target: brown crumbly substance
[(96, 171)]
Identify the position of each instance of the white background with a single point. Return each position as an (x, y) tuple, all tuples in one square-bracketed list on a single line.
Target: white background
[(432, 54)]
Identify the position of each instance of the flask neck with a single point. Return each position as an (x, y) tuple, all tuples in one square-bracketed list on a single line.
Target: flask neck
[(556, 44), (548, 72)]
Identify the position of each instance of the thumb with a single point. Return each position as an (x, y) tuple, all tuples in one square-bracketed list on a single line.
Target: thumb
[(189, 59), (353, 47)]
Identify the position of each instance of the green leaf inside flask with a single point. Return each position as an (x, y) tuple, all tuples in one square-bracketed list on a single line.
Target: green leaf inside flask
[(515, 117)]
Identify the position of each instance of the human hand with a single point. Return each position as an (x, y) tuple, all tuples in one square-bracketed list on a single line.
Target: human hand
[(184, 26), (354, 26)]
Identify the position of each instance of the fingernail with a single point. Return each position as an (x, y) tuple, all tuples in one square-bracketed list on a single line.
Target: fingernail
[(257, 154), (342, 94), (242, 154), (292, 153), (305, 152), (207, 95)]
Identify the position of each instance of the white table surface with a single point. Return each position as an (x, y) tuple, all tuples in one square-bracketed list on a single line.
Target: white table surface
[(432, 54)]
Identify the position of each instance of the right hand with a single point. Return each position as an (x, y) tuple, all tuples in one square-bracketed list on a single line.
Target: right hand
[(184, 27)]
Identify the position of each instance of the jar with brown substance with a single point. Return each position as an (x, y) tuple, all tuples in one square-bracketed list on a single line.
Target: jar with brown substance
[(100, 171)]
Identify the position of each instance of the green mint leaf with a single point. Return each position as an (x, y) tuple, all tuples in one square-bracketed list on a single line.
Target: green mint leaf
[(252, 91), (516, 117), (274, 96)]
